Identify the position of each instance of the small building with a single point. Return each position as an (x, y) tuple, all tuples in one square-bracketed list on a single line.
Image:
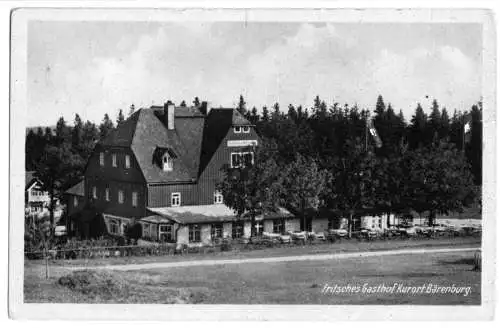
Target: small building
[(205, 224), (75, 198), (36, 199)]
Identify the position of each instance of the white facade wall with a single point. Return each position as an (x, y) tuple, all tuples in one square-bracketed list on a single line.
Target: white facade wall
[(292, 224), (319, 225)]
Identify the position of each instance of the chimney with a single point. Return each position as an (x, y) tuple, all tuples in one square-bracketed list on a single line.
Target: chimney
[(203, 107), (170, 116)]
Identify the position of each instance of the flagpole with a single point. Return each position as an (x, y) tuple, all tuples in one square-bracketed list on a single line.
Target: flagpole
[(463, 133), (366, 135)]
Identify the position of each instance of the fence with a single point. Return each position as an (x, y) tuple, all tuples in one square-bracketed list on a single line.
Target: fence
[(89, 251)]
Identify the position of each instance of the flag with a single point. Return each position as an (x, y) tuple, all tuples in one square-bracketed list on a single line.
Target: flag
[(467, 127), (374, 134)]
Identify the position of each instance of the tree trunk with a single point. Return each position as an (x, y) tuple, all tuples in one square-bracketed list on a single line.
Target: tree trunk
[(349, 225), (388, 219), (303, 215), (252, 228), (51, 208), (432, 216)]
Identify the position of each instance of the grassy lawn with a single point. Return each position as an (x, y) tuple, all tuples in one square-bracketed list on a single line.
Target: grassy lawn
[(271, 283), (318, 248)]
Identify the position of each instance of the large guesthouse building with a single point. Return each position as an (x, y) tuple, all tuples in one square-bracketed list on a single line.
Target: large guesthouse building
[(160, 168)]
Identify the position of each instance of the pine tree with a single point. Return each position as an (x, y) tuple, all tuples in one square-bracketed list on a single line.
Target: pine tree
[(380, 107), (265, 114), (105, 127), (474, 147), (121, 118), (90, 136), (254, 116), (292, 113), (276, 112), (242, 106), (435, 120), (62, 132), (418, 128), (445, 124), (76, 133)]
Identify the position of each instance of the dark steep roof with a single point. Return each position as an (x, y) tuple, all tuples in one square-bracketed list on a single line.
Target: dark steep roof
[(30, 179), (218, 122), (239, 119), (194, 140), (78, 189), (123, 134), (151, 133)]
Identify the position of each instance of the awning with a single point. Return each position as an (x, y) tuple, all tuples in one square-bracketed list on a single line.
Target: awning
[(156, 219), (115, 217), (209, 214)]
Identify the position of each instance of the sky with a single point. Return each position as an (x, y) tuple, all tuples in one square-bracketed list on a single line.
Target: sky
[(93, 68)]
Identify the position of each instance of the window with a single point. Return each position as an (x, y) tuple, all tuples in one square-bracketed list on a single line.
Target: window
[(145, 230), (279, 226), (167, 162), (246, 129), (114, 227), (259, 228), (237, 230), (75, 201), (242, 159), (218, 198), (216, 231), (247, 158), (107, 194), (235, 160), (194, 233), (176, 199), (127, 161), (114, 160), (166, 233), (101, 158), (134, 198), (120, 196), (237, 129), (94, 192)]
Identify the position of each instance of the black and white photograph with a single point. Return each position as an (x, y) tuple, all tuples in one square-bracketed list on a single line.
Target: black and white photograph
[(244, 157)]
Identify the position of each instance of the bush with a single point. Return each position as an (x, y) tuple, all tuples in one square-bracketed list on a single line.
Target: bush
[(225, 245), (134, 232), (93, 283)]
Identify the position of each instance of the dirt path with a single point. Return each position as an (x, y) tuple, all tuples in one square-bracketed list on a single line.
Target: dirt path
[(311, 257)]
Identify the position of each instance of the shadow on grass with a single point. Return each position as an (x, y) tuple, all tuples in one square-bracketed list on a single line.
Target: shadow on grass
[(404, 275), (463, 261)]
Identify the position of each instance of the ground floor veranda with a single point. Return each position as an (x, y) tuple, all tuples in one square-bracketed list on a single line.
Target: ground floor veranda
[(207, 224)]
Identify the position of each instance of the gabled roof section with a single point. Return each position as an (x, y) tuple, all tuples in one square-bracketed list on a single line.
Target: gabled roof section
[(217, 125), (123, 134), (181, 111), (150, 134), (30, 179), (78, 189), (239, 119)]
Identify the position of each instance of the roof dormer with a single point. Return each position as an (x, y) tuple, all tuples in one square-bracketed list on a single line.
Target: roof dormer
[(164, 158)]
